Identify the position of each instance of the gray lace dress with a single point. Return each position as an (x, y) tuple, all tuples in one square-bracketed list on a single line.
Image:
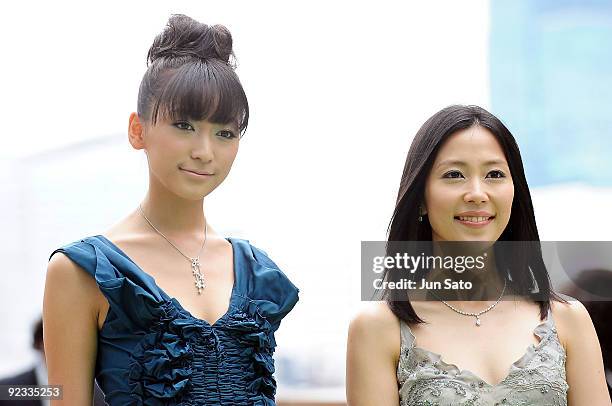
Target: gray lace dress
[(537, 378)]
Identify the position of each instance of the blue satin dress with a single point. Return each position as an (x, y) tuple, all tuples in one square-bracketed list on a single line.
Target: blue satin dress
[(151, 351)]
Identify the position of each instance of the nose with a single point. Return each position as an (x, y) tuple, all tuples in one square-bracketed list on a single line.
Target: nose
[(476, 193), (203, 148)]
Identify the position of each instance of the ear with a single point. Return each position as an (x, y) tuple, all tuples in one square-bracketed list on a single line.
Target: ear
[(136, 131)]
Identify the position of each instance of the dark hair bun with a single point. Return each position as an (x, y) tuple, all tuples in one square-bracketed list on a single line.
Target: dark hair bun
[(186, 37)]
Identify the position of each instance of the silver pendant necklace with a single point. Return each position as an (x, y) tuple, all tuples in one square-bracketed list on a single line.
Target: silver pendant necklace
[(200, 283), (477, 315)]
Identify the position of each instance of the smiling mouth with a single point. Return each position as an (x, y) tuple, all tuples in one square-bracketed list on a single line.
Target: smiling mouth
[(474, 219), (197, 173)]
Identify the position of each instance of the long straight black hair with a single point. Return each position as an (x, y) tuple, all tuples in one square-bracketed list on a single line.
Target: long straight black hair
[(404, 225)]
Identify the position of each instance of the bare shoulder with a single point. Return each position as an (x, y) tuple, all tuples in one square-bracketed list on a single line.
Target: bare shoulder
[(63, 269), (70, 318), (74, 283), (375, 315), (372, 356), (569, 318), (375, 323), (584, 362)]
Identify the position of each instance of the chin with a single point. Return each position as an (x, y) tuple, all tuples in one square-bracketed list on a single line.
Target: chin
[(466, 237), (192, 194), (482, 238)]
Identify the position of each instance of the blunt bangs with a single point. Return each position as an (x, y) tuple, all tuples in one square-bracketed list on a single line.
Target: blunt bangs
[(202, 90)]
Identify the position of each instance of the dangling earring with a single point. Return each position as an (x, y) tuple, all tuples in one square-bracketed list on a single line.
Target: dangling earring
[(420, 215)]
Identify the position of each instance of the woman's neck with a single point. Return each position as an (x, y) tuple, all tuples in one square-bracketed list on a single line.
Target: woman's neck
[(172, 215)]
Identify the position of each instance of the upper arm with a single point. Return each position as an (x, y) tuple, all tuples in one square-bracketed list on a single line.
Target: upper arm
[(70, 317), (372, 352), (584, 363)]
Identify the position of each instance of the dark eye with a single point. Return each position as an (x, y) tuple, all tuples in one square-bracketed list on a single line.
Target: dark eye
[(226, 134), (183, 125), (452, 175), (497, 174)]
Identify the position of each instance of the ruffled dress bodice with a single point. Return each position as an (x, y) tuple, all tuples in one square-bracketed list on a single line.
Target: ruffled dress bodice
[(151, 351), (537, 378)]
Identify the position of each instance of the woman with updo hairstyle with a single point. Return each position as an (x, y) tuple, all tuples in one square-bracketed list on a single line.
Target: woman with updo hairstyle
[(514, 340), (160, 309)]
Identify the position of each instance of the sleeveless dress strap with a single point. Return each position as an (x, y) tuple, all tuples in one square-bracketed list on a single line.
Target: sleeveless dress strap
[(407, 338), (265, 285), (133, 297)]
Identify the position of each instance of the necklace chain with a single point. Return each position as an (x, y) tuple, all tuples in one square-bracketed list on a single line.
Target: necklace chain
[(477, 314), (200, 283)]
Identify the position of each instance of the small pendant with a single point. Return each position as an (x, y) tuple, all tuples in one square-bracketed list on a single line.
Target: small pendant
[(199, 283), (199, 278), (478, 321)]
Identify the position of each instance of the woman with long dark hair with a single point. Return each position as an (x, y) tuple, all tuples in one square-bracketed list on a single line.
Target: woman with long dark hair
[(464, 181), (160, 309)]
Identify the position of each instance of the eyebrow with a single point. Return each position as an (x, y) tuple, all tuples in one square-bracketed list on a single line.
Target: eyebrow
[(462, 163)]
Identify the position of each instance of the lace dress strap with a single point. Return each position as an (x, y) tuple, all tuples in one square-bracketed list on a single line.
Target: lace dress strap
[(407, 338)]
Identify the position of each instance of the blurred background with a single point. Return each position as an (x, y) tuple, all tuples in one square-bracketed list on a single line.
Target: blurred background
[(337, 90)]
